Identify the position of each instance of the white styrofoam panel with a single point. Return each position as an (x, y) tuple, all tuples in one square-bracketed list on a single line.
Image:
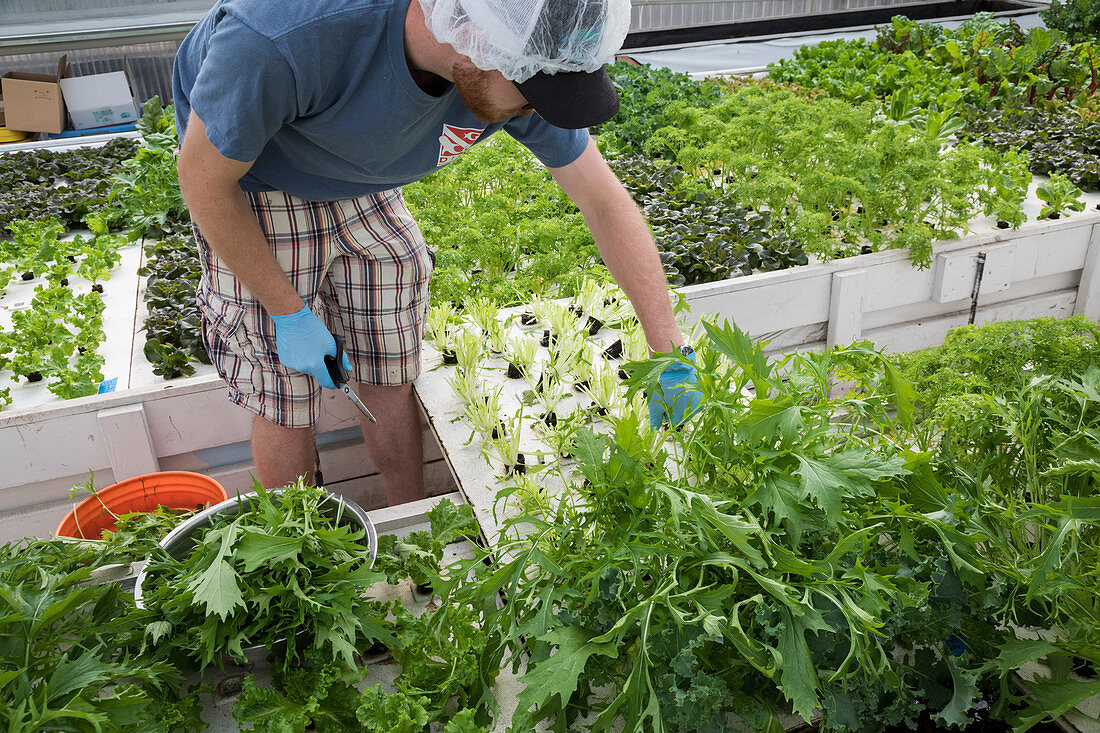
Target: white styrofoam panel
[(119, 296)]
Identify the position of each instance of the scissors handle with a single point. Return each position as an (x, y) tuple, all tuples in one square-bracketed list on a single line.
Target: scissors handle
[(335, 364)]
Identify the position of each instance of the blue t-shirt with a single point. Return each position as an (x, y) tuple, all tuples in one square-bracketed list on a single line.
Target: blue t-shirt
[(319, 95)]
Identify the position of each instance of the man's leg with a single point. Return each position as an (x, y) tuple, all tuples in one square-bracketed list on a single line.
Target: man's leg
[(240, 337), (396, 443), (282, 454), (376, 297)]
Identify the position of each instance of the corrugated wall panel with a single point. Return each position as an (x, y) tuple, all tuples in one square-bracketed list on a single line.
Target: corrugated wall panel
[(647, 15), (86, 8), (150, 65), (657, 15)]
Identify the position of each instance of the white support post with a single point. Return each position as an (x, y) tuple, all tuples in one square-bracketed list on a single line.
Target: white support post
[(125, 432), (955, 272), (846, 307), (1088, 293)]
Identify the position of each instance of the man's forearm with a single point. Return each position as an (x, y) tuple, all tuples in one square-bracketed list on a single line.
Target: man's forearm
[(230, 228), (209, 184), (624, 242), (628, 251)]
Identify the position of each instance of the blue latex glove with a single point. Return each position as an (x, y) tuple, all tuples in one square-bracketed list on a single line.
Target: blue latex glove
[(675, 401), (302, 342)]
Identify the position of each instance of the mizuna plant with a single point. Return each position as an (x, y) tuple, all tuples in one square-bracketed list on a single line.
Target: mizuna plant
[(583, 371), (506, 448), (550, 313), (559, 436), (599, 303), (68, 646), (282, 554), (635, 346), (562, 321), (788, 549), (483, 313), (604, 389), (482, 414), (520, 353), (526, 495), (550, 390), (467, 387), (442, 319), (498, 333), (566, 350), (469, 349)]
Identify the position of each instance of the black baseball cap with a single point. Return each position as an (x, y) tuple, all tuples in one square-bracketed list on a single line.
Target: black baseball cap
[(572, 99)]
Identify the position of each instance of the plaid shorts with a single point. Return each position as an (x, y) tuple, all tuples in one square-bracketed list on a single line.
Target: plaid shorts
[(360, 264)]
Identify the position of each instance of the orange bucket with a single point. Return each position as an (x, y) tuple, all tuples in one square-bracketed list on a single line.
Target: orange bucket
[(170, 489)]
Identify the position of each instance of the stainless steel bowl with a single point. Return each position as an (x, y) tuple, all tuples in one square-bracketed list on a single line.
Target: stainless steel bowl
[(181, 540)]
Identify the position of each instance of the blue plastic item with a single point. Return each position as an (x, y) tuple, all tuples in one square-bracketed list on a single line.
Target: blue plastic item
[(94, 131)]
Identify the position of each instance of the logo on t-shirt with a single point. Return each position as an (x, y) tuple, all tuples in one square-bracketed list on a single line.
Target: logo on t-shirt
[(455, 140)]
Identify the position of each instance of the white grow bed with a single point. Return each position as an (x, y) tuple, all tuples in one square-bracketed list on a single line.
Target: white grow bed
[(1044, 268)]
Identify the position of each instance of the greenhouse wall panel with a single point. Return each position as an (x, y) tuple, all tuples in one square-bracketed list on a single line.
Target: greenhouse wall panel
[(657, 15), (149, 64)]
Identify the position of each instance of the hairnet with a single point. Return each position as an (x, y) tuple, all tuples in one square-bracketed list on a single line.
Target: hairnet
[(520, 38)]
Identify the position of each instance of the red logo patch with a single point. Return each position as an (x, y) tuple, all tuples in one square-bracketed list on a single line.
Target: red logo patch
[(455, 140)]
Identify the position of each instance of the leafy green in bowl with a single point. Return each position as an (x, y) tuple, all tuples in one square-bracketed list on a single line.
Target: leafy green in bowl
[(284, 567)]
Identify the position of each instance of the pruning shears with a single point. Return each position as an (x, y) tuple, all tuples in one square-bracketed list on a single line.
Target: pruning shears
[(335, 366)]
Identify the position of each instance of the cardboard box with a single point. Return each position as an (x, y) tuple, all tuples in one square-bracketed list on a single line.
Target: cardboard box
[(33, 102), (99, 100)]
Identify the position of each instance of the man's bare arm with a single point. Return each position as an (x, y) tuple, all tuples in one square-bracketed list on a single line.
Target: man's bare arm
[(208, 181), (624, 242)]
